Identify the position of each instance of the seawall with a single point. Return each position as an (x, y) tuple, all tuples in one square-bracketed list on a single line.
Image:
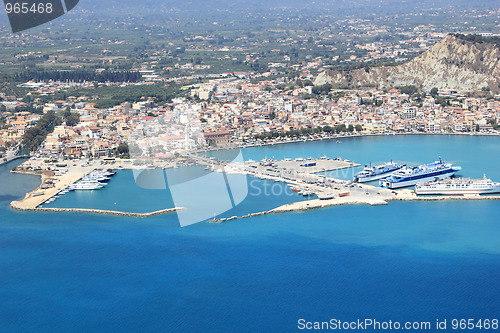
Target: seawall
[(96, 211)]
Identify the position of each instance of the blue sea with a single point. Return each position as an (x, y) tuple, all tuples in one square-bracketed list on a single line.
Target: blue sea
[(404, 262)]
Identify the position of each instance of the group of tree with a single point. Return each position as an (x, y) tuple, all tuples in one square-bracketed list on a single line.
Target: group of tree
[(409, 90), (306, 131), (71, 118), (29, 108), (494, 124), (479, 39), (322, 90), (78, 76), (122, 151), (35, 135)]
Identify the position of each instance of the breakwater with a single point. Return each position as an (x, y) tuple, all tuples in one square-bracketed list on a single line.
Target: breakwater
[(97, 211), (318, 204)]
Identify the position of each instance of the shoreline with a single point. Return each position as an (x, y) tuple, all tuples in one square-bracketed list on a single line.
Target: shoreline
[(335, 137), (32, 203)]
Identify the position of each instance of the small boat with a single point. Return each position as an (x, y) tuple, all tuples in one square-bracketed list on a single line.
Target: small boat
[(326, 196), (344, 194)]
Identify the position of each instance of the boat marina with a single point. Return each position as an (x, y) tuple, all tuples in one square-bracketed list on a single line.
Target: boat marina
[(305, 177)]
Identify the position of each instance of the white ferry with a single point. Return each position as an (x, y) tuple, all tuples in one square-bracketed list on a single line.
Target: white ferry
[(407, 176), (459, 186), (370, 173)]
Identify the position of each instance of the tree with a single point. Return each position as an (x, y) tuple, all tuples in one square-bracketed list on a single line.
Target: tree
[(359, 128), (34, 136), (123, 150), (71, 118), (410, 90), (434, 92)]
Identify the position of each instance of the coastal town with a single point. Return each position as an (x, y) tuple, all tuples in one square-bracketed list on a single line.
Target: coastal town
[(249, 166), (234, 112), (77, 117)]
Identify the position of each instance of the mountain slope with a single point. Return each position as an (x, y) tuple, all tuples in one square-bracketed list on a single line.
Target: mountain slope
[(453, 63)]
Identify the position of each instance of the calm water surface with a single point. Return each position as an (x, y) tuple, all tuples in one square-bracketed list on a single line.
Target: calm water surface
[(402, 262)]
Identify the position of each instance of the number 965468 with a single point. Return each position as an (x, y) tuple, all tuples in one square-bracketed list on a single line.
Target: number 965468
[(25, 8)]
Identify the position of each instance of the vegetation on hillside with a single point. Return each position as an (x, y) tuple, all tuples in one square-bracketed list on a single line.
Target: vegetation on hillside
[(77, 76), (479, 39)]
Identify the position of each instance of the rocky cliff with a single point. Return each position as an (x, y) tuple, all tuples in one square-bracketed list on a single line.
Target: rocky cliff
[(453, 63)]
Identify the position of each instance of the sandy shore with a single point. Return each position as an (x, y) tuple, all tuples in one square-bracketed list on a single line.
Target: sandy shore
[(75, 171), (34, 199), (31, 201)]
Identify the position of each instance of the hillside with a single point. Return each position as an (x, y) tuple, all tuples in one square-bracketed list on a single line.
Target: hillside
[(456, 62)]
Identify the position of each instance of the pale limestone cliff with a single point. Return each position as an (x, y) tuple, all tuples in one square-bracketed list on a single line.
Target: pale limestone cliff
[(452, 63)]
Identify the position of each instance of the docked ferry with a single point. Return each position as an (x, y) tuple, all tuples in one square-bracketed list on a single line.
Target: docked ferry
[(458, 186), (427, 172), (370, 173)]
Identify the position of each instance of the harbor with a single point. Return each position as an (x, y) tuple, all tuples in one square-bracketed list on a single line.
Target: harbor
[(57, 180), (300, 175), (306, 177)]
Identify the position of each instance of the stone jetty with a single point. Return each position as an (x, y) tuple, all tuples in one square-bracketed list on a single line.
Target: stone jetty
[(98, 211)]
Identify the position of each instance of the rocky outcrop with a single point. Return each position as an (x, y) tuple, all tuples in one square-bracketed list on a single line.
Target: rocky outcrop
[(452, 63)]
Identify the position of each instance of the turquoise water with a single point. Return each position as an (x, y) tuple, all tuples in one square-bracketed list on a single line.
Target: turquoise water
[(402, 262), (474, 153), (122, 194)]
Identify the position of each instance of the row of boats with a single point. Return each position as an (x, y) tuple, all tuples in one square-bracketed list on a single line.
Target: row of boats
[(95, 180), (433, 178)]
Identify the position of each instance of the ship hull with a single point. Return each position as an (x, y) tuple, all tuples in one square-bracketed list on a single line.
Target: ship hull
[(376, 177), (412, 182), (457, 191)]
